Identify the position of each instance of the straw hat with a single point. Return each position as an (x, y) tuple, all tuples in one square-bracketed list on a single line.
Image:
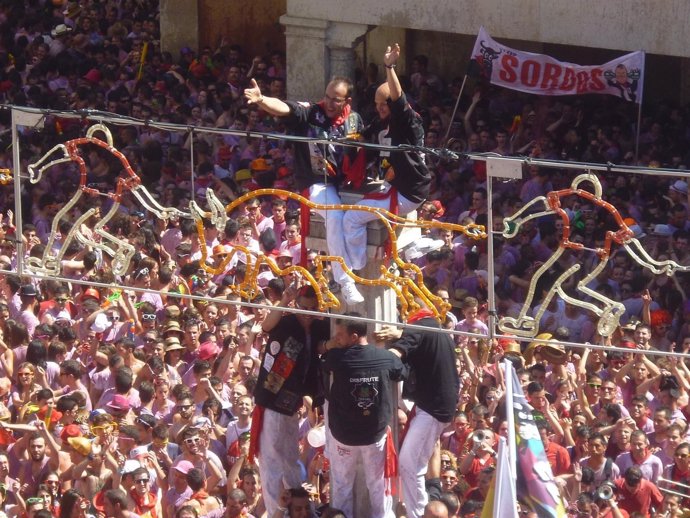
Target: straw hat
[(172, 343), (553, 353)]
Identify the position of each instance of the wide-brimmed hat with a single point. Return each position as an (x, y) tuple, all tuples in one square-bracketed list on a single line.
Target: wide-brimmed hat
[(553, 353), (172, 343), (60, 30), (172, 326)]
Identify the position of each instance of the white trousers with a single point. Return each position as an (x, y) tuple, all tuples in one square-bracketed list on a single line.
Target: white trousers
[(327, 194), (278, 456), (355, 225), (344, 461), (417, 448)]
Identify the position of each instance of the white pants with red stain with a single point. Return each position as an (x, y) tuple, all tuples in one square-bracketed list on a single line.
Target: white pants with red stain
[(418, 446), (278, 456), (344, 461), (355, 224), (327, 194)]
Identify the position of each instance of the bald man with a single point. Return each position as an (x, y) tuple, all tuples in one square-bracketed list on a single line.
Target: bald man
[(407, 178), (435, 509)]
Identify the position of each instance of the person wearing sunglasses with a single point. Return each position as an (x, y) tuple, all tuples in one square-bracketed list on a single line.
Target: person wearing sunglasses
[(145, 502), (60, 307), (195, 450), (146, 316), (318, 169)]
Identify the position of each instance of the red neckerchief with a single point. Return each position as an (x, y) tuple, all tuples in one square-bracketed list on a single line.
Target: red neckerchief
[(199, 496), (419, 314), (340, 119), (141, 505)]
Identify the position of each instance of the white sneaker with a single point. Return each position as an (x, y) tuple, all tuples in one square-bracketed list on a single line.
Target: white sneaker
[(351, 294)]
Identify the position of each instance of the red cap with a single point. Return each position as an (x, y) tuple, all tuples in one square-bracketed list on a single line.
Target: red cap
[(92, 293), (71, 430), (208, 350), (54, 415), (440, 210)]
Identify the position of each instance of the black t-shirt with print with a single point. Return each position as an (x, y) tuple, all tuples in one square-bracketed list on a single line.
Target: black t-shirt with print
[(360, 404)]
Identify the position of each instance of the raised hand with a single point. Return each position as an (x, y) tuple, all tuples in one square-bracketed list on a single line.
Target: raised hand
[(391, 55)]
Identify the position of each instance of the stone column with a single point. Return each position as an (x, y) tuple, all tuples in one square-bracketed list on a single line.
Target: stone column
[(341, 40), (305, 44), (179, 25)]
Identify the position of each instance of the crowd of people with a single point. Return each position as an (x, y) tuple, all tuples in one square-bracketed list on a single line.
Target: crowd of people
[(136, 400)]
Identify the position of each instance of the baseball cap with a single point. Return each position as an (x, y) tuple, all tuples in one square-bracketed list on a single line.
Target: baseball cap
[(680, 187), (28, 290), (183, 466), (100, 324), (130, 466), (662, 230), (91, 293)]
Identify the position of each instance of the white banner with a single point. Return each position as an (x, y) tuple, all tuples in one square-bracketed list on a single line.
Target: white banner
[(544, 75)]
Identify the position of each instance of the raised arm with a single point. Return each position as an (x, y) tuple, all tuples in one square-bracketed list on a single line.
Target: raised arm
[(275, 315), (390, 58), (270, 105)]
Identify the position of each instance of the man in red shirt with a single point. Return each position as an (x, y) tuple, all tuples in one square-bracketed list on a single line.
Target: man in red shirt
[(636, 494), (558, 456)]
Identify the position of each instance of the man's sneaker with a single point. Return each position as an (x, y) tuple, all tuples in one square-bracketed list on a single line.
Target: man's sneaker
[(351, 294)]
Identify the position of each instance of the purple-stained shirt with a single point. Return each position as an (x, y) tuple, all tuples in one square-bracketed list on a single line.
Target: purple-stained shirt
[(652, 467)]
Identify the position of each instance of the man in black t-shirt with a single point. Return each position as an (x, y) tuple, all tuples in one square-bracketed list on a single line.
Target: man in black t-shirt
[(360, 407), (289, 371), (408, 179), (433, 386)]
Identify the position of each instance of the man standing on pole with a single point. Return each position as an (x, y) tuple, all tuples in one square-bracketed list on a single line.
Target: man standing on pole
[(360, 408), (433, 386), (318, 166)]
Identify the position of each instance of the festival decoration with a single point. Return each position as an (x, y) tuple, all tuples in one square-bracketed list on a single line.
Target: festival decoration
[(120, 250), (403, 277), (610, 311)]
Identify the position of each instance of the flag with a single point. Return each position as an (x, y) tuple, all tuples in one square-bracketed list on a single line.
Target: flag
[(536, 486), (501, 498), (544, 75)]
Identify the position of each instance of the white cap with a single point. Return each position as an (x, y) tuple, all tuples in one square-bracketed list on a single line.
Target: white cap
[(100, 324)]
